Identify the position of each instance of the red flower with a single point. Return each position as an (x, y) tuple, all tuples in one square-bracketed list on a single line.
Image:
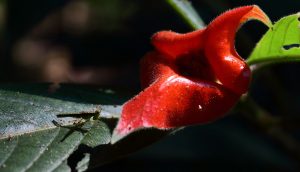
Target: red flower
[(191, 78)]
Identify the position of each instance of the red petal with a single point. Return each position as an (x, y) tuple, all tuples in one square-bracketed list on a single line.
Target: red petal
[(175, 44), (153, 66), (228, 66), (174, 101)]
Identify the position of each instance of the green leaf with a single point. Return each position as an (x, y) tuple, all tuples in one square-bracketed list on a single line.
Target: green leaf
[(281, 43), (83, 164), (185, 9), (44, 131)]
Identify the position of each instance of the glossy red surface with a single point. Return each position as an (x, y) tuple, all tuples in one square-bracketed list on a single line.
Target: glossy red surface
[(191, 78)]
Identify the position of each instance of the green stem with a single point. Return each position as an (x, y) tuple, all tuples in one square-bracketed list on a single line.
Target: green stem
[(185, 9)]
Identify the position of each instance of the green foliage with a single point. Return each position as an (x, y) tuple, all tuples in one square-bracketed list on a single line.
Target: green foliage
[(42, 131), (29, 136), (187, 12), (281, 43)]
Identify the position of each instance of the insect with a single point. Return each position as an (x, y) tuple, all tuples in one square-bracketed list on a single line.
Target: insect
[(82, 123), (84, 115)]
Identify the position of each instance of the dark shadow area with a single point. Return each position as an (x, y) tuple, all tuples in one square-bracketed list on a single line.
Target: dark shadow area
[(230, 144), (104, 154), (70, 92)]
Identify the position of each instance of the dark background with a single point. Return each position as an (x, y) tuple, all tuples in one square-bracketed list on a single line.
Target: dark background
[(100, 42)]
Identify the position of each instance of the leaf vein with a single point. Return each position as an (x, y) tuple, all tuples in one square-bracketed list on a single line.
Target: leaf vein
[(41, 152), (67, 154), (12, 151)]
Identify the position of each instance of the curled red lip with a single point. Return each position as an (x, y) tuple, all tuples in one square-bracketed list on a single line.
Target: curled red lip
[(191, 78)]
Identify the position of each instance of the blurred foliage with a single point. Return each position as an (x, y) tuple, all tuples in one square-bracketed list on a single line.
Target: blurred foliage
[(108, 20)]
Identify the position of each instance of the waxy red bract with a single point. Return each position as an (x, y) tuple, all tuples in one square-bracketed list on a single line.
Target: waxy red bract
[(191, 78)]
